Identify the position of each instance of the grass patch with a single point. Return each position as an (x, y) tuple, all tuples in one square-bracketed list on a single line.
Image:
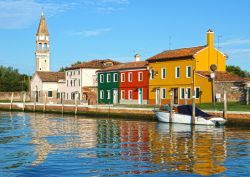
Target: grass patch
[(220, 107), (135, 106)]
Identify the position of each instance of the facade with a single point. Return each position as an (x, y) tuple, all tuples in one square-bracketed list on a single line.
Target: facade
[(173, 70), (247, 85), (82, 78), (42, 46), (45, 86), (108, 86), (125, 83)]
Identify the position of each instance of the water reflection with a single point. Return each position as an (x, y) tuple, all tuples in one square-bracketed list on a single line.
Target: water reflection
[(118, 147)]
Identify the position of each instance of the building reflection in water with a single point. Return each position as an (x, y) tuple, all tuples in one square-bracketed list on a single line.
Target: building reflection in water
[(69, 132), (199, 150)]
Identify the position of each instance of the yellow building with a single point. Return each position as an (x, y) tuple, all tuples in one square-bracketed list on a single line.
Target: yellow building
[(173, 70)]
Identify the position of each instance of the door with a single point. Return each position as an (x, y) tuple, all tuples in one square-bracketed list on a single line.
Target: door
[(249, 96), (139, 95), (157, 96), (115, 96), (176, 98), (36, 96)]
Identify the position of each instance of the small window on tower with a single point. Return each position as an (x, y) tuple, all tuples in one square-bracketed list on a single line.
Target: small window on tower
[(40, 46), (45, 46), (45, 61)]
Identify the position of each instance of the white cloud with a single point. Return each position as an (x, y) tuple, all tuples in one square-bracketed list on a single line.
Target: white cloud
[(16, 14), (92, 33), (235, 42)]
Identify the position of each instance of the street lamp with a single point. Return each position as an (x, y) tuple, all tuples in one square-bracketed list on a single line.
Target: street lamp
[(213, 68)]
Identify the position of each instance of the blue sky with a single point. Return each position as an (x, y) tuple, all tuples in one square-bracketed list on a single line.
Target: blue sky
[(98, 29)]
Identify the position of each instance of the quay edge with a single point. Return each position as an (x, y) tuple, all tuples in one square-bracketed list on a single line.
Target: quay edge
[(234, 118)]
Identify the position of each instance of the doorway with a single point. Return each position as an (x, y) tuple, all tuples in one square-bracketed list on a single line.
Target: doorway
[(140, 95), (157, 96), (176, 98), (115, 96)]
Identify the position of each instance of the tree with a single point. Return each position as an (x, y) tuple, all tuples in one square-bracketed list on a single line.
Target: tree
[(238, 71), (11, 80), (62, 69), (76, 63)]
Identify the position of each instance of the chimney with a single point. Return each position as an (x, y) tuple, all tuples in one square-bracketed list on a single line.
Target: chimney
[(210, 38), (137, 57)]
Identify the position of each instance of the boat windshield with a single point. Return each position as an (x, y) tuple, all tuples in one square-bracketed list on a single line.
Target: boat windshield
[(187, 110), (165, 107)]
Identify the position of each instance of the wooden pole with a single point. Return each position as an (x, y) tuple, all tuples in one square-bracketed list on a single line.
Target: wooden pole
[(11, 100), (171, 107), (193, 99), (24, 99), (75, 104), (34, 108), (45, 100), (62, 104), (225, 105)]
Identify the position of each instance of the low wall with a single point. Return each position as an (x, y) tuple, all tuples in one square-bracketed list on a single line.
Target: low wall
[(17, 96)]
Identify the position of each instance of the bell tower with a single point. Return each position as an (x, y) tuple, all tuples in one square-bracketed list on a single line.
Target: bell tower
[(42, 46)]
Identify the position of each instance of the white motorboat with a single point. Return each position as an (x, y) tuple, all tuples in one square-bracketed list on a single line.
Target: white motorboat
[(183, 115)]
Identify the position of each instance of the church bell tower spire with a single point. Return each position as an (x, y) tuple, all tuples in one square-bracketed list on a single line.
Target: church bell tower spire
[(42, 46)]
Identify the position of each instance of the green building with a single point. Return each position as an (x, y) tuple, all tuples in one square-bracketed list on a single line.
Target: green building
[(108, 86)]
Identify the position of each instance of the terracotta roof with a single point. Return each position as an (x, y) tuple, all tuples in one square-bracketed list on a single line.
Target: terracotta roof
[(222, 76), (50, 76), (178, 53), (42, 29), (98, 64), (247, 79), (130, 65)]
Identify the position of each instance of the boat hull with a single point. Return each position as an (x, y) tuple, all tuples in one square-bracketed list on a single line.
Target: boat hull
[(164, 116)]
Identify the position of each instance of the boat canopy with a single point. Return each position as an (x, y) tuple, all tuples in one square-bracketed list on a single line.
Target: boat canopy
[(187, 110)]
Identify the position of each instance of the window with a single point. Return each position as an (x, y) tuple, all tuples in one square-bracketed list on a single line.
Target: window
[(101, 78), (108, 94), (182, 93), (108, 77), (45, 61), (67, 83), (151, 72), (188, 71), (130, 77), (130, 94), (45, 46), (177, 72), (72, 96), (79, 81), (40, 46), (122, 94), (197, 92), (115, 77), (74, 82), (67, 73), (163, 91), (49, 93), (101, 94), (188, 93), (140, 76), (122, 77), (163, 73), (79, 72), (71, 83)]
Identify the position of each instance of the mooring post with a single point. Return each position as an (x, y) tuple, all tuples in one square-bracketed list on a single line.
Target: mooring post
[(11, 100), (225, 105), (171, 107), (193, 108), (34, 108), (45, 100), (24, 98), (62, 106), (75, 105)]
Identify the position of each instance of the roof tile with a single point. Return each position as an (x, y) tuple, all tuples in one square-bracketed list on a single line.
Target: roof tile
[(50, 76)]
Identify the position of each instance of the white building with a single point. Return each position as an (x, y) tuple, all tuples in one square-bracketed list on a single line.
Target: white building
[(45, 86), (83, 76)]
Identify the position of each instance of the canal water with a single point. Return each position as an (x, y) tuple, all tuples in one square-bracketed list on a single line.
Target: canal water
[(54, 145)]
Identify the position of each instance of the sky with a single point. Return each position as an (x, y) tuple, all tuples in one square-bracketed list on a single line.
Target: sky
[(118, 29)]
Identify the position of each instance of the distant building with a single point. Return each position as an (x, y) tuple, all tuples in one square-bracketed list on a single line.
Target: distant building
[(81, 80), (125, 83), (174, 70), (247, 84)]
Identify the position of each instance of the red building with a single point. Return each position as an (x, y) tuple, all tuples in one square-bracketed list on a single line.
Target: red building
[(134, 83)]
